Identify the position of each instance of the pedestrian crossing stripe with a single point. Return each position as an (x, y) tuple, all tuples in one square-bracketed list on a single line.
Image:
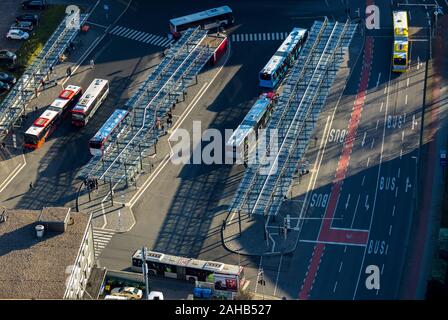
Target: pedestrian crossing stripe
[(266, 36), (101, 239), (141, 36)]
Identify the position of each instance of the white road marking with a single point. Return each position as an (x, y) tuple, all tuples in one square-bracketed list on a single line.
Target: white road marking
[(340, 266), (13, 174), (390, 230), (406, 100), (348, 200), (377, 184), (335, 285), (363, 179), (373, 141), (368, 160), (407, 82), (364, 139), (354, 212), (402, 135), (378, 81), (278, 274), (377, 122), (381, 108), (393, 211)]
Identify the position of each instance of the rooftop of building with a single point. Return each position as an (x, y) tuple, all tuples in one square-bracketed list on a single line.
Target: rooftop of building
[(32, 268)]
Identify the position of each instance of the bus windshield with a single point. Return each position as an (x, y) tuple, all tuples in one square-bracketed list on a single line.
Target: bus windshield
[(95, 144), (265, 76), (30, 139), (400, 61), (78, 116)]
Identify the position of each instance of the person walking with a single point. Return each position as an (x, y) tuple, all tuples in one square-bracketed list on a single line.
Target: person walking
[(31, 186), (92, 63), (69, 71)]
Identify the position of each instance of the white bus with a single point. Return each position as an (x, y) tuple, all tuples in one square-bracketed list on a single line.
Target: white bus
[(90, 101), (244, 139), (276, 68), (208, 19), (223, 276)]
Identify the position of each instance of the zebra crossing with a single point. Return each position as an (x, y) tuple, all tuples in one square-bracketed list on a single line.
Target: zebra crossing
[(101, 238), (264, 36), (141, 36)]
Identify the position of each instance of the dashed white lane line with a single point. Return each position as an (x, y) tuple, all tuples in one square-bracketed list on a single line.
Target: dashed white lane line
[(340, 266), (390, 230), (335, 286), (393, 211), (13, 174), (278, 274)]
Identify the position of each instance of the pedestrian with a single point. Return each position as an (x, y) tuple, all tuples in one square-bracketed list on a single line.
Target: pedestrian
[(31, 186), (169, 122), (72, 46), (51, 69), (42, 82), (69, 71), (92, 63)]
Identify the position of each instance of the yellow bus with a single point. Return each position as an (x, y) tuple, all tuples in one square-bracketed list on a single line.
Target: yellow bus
[(400, 60)]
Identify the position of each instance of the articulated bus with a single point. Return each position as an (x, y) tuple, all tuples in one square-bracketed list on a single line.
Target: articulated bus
[(400, 60), (41, 129), (244, 139), (208, 19), (223, 276), (90, 101), (97, 143), (274, 71)]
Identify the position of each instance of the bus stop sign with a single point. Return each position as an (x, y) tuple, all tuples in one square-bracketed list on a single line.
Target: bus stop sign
[(443, 158)]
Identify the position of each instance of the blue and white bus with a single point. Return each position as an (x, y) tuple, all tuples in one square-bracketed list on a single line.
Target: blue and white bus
[(96, 144), (244, 139), (208, 19), (274, 71)]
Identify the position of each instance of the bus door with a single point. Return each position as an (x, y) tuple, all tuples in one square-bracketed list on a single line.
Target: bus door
[(181, 273)]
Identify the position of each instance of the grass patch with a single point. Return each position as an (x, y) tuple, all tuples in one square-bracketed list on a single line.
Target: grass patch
[(49, 20)]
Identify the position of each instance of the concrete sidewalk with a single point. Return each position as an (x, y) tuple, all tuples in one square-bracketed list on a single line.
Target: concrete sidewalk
[(253, 240)]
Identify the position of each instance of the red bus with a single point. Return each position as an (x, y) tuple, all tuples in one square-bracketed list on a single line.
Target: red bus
[(36, 135)]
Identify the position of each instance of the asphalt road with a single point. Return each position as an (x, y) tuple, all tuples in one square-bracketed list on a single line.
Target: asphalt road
[(182, 211)]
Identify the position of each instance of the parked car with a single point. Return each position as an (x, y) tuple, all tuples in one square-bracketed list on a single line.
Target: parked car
[(34, 4), (7, 57), (17, 34), (23, 25), (4, 87), (33, 18), (7, 78), (129, 292), (155, 295)]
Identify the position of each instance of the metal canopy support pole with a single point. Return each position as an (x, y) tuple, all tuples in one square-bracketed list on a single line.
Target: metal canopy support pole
[(111, 193)]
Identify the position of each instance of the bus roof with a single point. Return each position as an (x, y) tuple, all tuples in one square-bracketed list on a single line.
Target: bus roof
[(46, 117), (291, 40), (189, 262), (92, 91), (200, 15), (250, 120), (400, 23), (110, 124), (64, 97)]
